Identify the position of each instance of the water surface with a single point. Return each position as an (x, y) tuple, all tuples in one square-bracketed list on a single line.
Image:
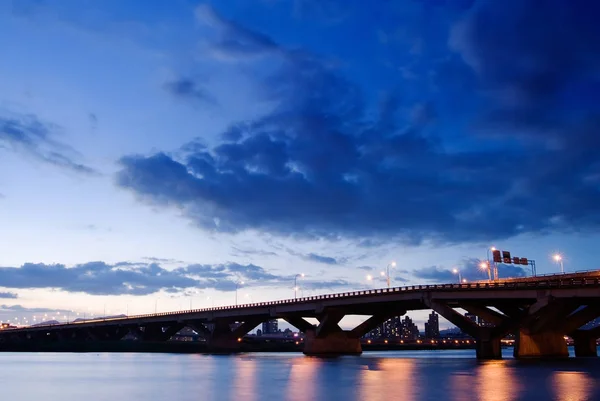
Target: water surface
[(408, 376)]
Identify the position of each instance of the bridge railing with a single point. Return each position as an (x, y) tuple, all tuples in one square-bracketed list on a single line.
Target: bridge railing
[(560, 281)]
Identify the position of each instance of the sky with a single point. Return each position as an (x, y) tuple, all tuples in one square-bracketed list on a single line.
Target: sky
[(158, 155)]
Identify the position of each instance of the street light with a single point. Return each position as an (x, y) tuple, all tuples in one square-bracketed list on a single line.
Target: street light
[(456, 271), (237, 285), (489, 265), (486, 266), (295, 285), (559, 259), (386, 274)]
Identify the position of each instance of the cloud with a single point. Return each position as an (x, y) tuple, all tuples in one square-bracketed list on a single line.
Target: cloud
[(328, 260), (189, 89), (28, 135), (366, 268), (8, 295), (251, 252), (234, 41), (134, 278), (142, 278), (469, 269), (325, 163)]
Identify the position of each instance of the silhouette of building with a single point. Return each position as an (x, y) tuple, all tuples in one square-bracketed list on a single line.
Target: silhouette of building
[(410, 331), (270, 327), (432, 326)]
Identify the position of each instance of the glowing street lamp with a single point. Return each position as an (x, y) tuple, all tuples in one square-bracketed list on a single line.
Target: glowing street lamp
[(295, 284), (456, 271), (486, 266), (559, 259)]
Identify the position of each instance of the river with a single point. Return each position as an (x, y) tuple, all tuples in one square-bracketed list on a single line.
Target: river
[(404, 375)]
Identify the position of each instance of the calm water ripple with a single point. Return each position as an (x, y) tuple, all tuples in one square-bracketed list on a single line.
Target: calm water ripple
[(407, 376)]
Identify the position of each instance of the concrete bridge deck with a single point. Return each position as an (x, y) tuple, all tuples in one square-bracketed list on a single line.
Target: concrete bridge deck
[(540, 311)]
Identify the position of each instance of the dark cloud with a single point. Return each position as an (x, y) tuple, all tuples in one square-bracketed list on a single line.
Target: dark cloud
[(326, 164), (328, 260), (135, 278), (470, 270), (366, 268), (189, 89), (30, 136), (251, 252), (8, 295)]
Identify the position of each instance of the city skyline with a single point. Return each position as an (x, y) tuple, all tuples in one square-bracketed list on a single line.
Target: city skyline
[(206, 153)]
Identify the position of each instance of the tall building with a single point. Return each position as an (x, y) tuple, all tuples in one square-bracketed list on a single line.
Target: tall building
[(432, 326), (392, 327), (270, 327), (410, 331)]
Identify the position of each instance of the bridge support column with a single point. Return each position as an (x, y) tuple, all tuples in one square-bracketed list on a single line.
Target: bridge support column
[(540, 334), (585, 346), (488, 349), (332, 344), (487, 338), (546, 344), (224, 339)]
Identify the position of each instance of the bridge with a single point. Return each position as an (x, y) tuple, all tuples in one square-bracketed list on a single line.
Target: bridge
[(539, 311)]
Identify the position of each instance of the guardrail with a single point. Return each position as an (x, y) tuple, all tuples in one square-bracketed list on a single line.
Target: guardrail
[(560, 280)]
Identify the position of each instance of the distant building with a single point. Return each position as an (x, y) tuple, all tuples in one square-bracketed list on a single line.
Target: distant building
[(270, 327), (392, 327), (432, 326), (259, 332), (410, 331)]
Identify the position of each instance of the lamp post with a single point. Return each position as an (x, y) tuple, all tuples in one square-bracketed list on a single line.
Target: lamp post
[(489, 265), (295, 284), (486, 266), (456, 271), (559, 259), (386, 274), (237, 285)]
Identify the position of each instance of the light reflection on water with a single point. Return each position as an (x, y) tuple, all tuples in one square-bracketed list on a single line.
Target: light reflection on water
[(414, 376)]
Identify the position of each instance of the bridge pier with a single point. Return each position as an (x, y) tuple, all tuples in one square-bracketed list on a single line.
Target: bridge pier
[(547, 344), (488, 349), (585, 342), (585, 346), (332, 344), (225, 339), (540, 334)]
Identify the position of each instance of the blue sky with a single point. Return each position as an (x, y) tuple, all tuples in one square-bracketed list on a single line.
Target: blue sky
[(155, 153)]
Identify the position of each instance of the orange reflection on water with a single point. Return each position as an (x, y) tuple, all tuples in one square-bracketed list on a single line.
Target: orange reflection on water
[(496, 381), (302, 379), (388, 379), (244, 381), (572, 386)]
